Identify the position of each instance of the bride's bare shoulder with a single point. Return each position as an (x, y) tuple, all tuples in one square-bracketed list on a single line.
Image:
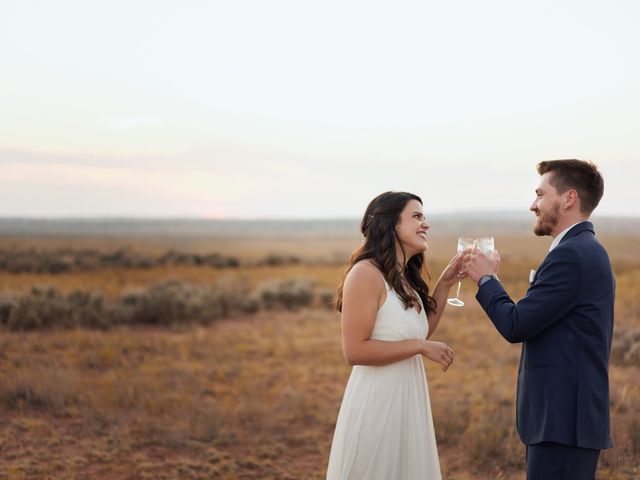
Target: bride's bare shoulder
[(364, 281), (365, 271)]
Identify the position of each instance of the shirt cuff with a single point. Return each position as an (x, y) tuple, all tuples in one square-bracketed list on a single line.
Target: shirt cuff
[(485, 278)]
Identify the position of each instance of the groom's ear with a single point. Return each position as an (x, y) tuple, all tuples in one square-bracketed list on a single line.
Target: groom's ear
[(571, 199)]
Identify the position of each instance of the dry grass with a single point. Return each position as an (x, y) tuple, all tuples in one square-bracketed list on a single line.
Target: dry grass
[(257, 397)]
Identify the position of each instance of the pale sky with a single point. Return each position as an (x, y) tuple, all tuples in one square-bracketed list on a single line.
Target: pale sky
[(308, 109)]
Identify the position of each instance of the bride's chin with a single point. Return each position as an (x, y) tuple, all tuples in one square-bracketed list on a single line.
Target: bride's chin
[(415, 249)]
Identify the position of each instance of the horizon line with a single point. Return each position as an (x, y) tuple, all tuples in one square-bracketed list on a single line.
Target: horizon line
[(454, 213)]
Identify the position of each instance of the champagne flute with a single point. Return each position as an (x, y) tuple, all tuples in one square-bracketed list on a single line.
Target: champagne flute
[(463, 244), (486, 245)]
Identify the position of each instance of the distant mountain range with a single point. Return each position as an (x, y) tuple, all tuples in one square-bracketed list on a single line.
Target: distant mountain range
[(442, 224)]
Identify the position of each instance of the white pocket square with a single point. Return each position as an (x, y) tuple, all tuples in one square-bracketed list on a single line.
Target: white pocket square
[(532, 275)]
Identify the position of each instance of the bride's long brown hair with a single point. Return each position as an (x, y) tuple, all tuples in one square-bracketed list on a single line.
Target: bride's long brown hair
[(379, 245)]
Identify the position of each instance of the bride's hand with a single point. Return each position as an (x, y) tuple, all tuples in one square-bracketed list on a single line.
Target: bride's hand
[(451, 274), (438, 352)]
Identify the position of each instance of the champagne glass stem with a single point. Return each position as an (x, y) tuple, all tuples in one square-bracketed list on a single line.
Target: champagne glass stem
[(458, 290)]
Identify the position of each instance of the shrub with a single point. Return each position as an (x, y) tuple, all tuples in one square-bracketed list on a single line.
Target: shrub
[(277, 260), (326, 298), (42, 307), (67, 260), (6, 304), (87, 309), (45, 307), (216, 260), (289, 294), (165, 303), (161, 304), (173, 301), (231, 295)]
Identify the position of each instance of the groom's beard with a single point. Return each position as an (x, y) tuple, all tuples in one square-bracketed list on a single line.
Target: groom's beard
[(545, 222)]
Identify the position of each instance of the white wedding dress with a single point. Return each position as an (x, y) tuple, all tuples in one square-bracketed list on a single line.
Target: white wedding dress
[(385, 429)]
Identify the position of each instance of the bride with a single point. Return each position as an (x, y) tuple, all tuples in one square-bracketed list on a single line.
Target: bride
[(385, 428)]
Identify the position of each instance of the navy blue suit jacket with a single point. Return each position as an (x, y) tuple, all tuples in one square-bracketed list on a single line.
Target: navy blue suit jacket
[(565, 324)]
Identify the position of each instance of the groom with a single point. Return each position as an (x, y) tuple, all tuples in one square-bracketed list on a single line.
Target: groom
[(565, 324)]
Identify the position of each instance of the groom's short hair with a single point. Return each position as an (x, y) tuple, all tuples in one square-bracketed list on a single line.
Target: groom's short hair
[(579, 175)]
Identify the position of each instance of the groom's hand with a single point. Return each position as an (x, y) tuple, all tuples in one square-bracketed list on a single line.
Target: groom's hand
[(476, 263)]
